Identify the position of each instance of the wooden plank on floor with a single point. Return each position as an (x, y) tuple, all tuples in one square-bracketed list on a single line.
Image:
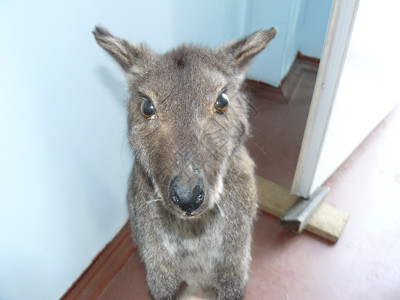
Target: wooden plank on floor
[(327, 222)]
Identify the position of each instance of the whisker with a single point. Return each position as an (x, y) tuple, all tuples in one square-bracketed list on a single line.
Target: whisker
[(220, 210), (153, 200)]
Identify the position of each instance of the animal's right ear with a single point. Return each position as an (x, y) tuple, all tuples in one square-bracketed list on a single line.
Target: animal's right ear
[(125, 53)]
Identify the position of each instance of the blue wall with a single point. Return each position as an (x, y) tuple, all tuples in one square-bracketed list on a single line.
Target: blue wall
[(208, 22), (301, 27), (272, 64), (64, 156), (315, 21)]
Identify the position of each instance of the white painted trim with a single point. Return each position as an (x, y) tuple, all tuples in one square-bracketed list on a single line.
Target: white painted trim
[(329, 73)]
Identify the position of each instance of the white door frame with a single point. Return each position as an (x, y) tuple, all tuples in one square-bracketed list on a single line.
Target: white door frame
[(330, 69)]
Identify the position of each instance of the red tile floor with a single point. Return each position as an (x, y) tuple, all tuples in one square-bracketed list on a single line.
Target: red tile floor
[(363, 264)]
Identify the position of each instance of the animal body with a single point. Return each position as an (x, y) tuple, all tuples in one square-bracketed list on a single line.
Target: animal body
[(192, 195)]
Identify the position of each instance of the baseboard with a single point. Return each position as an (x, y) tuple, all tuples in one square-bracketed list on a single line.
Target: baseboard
[(300, 65), (289, 83), (263, 90), (104, 267)]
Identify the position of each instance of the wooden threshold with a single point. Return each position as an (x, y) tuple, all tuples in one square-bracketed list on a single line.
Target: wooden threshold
[(327, 221)]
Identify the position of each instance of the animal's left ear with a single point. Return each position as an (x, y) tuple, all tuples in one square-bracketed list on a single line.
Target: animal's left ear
[(243, 50)]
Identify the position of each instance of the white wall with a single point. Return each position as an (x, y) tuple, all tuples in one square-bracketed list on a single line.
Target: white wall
[(368, 89), (64, 156)]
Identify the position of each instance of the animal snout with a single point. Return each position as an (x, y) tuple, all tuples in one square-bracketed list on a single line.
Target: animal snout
[(188, 197)]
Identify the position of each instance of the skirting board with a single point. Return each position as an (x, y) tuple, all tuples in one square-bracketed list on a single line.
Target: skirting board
[(95, 279), (282, 94), (327, 222)]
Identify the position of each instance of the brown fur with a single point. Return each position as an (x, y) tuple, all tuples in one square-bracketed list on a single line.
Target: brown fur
[(188, 138)]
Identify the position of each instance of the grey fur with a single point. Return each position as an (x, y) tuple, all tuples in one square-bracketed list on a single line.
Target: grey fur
[(187, 137)]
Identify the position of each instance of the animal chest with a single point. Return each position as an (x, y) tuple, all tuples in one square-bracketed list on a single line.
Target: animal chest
[(196, 252)]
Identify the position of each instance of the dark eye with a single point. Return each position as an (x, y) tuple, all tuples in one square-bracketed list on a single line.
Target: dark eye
[(222, 103), (147, 108)]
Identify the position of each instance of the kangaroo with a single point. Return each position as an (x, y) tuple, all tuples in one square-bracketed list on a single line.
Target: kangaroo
[(192, 195)]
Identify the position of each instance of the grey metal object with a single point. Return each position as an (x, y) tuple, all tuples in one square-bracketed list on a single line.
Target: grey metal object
[(297, 216)]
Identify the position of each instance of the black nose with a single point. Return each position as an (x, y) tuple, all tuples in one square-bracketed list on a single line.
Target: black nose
[(187, 197)]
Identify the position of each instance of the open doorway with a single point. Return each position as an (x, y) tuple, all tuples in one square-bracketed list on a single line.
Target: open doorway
[(280, 104), (278, 122)]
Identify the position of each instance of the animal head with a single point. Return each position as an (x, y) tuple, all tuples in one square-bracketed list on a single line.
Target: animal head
[(186, 115)]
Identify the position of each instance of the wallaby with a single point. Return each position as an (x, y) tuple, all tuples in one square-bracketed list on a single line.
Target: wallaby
[(192, 194)]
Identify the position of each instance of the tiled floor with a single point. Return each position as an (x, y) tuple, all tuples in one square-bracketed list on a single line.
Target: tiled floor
[(363, 264)]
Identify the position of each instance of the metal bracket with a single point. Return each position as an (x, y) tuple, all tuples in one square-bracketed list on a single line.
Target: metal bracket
[(297, 216)]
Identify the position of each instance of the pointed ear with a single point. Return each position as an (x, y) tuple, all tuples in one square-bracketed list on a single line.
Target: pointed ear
[(243, 50), (125, 53)]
